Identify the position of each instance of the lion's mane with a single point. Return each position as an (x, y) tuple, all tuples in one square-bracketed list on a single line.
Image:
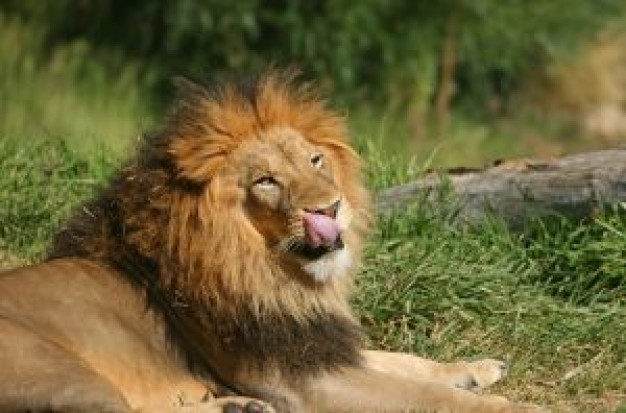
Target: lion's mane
[(169, 225)]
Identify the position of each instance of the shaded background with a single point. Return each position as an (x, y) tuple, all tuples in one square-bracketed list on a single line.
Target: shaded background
[(454, 81)]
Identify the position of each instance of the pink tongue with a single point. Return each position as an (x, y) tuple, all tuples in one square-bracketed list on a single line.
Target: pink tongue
[(321, 230)]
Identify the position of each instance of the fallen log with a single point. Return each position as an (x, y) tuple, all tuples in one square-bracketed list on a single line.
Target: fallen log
[(517, 191)]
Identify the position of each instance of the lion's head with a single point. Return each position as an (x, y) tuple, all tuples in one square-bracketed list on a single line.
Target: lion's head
[(249, 193)]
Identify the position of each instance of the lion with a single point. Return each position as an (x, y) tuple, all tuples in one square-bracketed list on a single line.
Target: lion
[(213, 274)]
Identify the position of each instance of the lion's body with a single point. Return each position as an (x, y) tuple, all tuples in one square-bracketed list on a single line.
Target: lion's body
[(218, 262), (68, 310)]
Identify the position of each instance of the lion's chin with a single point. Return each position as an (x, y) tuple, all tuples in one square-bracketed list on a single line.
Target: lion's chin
[(329, 265)]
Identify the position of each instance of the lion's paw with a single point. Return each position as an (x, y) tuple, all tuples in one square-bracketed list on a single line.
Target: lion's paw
[(483, 373), (230, 405), (252, 406)]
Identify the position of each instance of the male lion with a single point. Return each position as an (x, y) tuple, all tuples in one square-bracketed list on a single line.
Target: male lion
[(215, 267)]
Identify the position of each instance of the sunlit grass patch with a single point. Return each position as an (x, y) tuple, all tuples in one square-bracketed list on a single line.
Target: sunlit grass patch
[(41, 182)]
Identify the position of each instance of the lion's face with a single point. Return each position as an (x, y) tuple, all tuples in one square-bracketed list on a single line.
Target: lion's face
[(278, 182), (292, 198)]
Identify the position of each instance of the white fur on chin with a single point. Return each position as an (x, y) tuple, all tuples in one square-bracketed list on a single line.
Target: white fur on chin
[(333, 264)]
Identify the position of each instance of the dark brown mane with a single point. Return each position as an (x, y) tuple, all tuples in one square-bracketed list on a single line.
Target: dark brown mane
[(151, 221)]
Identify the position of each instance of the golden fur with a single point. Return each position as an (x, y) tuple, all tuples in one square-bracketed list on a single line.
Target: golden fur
[(213, 226)]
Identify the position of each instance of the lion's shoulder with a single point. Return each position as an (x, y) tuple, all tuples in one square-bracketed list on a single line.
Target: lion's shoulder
[(65, 280)]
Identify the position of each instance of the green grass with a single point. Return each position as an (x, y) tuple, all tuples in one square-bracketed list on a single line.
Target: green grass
[(64, 120), (41, 183), (534, 299)]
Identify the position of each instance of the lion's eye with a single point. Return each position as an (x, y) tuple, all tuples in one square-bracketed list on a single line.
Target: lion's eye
[(266, 182), (317, 160)]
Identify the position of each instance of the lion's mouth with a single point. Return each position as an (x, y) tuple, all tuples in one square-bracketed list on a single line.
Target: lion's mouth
[(321, 235), (315, 252)]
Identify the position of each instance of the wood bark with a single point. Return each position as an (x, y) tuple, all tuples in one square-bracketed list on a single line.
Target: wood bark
[(575, 186)]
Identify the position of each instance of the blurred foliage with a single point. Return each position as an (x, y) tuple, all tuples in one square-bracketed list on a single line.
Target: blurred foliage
[(66, 94), (372, 49)]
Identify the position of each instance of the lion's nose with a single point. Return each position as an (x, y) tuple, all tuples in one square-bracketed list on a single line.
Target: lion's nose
[(329, 211)]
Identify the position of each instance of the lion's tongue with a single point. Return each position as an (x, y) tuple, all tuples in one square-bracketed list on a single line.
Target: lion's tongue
[(321, 230)]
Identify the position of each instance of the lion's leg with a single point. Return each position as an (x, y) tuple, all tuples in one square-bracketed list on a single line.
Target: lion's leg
[(466, 375), (40, 375), (367, 390)]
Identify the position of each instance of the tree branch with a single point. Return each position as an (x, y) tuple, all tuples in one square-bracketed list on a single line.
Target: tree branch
[(573, 186)]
